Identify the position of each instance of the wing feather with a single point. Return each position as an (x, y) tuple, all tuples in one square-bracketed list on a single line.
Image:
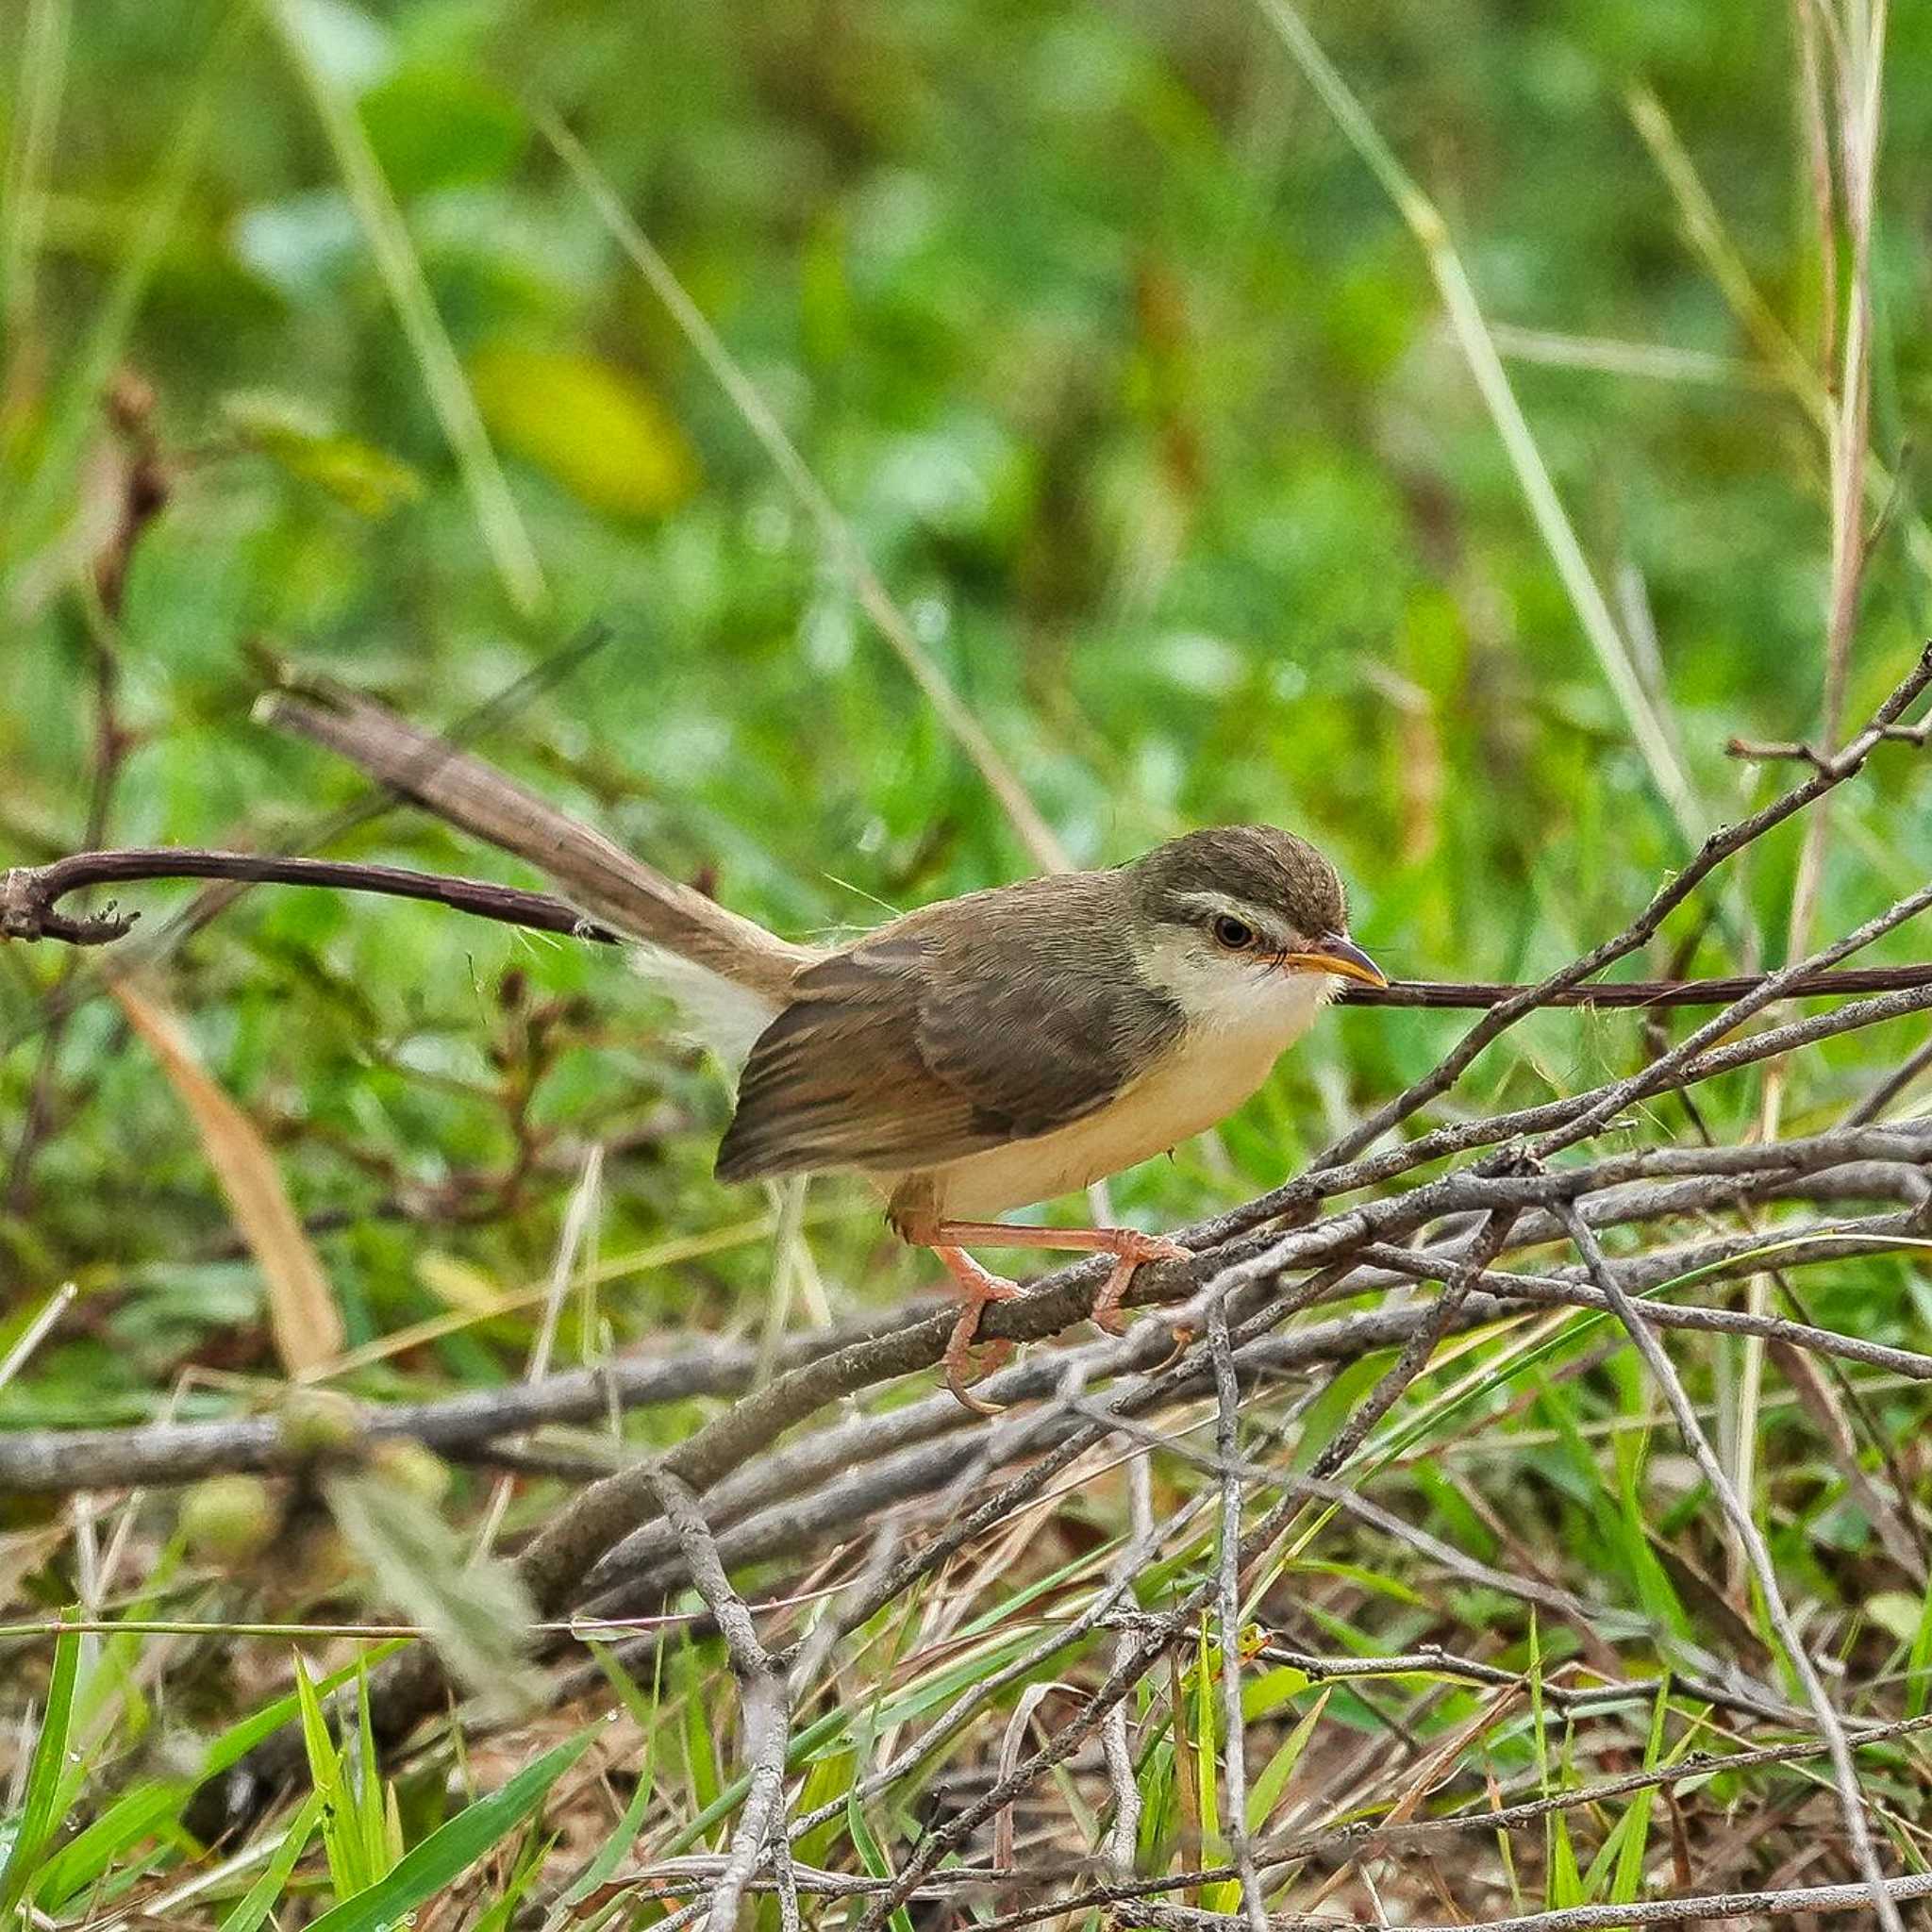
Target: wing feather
[(948, 1033)]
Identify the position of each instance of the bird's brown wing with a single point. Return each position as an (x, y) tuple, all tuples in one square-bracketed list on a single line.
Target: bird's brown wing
[(949, 1032)]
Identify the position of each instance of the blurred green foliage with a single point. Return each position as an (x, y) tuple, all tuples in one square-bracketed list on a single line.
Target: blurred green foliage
[(1140, 398)]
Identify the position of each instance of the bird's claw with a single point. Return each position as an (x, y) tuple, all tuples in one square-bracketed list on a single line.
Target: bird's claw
[(995, 1354), (1134, 1249)]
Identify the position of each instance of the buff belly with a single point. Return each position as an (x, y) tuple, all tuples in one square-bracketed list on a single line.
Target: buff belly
[(1215, 1067)]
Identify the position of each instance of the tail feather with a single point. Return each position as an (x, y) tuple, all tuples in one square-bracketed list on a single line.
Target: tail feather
[(592, 871)]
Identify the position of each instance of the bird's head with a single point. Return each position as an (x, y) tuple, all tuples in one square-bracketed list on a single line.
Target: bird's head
[(1238, 916)]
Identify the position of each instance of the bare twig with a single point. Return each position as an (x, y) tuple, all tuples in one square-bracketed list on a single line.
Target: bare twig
[(1851, 1803), (1227, 1607), (29, 894), (1472, 995), (764, 1705), (1760, 752), (60, 1461), (1692, 1908), (1416, 1352), (1714, 852), (1124, 1834)]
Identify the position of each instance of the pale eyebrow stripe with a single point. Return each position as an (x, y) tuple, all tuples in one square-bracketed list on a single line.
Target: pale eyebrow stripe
[(1264, 921)]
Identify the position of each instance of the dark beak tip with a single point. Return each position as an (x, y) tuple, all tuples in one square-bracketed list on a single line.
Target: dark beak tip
[(1342, 957)]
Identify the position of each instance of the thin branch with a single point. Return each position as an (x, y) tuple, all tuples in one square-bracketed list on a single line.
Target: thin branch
[(29, 893), (1851, 1803), (209, 905), (764, 1706), (1227, 1608), (1694, 1907), (1758, 752), (1124, 1834), (59, 1461), (1472, 995), (1721, 846)]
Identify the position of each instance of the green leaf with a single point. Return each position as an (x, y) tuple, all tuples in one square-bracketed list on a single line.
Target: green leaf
[(341, 1837), (135, 1815), (374, 1796), (1634, 1826), (831, 1777), (450, 1850), (867, 1846), (1224, 1897), (1265, 1693), (232, 1745), (434, 126), (1565, 1887), (478, 1613), (1896, 1612), (529, 1867), (1919, 1663), (358, 475), (700, 1746), (153, 1807), (611, 1853)]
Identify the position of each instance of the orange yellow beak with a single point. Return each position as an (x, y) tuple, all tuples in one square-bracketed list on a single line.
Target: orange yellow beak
[(1337, 953)]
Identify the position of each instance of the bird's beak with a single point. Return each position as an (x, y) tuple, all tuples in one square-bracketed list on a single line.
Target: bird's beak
[(1337, 953)]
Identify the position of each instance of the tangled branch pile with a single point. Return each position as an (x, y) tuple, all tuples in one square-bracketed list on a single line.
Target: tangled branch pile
[(1270, 1697)]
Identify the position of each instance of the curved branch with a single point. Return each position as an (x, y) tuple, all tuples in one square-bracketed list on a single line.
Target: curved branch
[(30, 893)]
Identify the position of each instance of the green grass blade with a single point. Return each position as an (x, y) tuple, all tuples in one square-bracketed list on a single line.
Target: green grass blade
[(134, 1816), (371, 1812), (232, 1745), (1919, 1662), (644, 1708), (1267, 1789), (261, 1897), (340, 1839), (39, 1813), (450, 1850), (401, 269)]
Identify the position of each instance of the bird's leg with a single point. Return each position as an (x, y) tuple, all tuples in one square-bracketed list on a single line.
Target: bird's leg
[(976, 1287), (1127, 1245)]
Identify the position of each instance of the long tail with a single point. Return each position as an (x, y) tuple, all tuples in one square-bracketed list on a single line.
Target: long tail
[(594, 873)]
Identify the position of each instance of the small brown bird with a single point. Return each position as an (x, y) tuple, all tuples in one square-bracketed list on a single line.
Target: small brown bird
[(969, 1058)]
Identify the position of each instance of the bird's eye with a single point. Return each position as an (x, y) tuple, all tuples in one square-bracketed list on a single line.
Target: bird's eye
[(1237, 935)]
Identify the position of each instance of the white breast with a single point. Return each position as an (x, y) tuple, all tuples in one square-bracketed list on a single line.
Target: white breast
[(1220, 1062)]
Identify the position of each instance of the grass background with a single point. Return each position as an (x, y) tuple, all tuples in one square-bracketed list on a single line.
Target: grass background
[(1139, 397)]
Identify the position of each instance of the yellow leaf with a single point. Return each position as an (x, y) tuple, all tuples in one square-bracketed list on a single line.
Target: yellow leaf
[(594, 427), (456, 1285), (303, 1317)]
